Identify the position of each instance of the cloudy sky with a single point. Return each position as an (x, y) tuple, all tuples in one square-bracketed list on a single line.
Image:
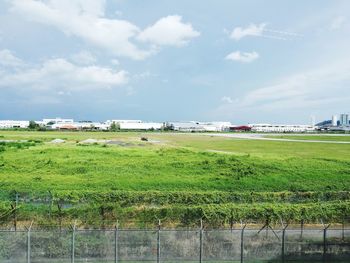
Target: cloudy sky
[(241, 61)]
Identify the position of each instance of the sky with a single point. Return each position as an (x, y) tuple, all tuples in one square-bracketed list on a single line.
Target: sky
[(244, 61)]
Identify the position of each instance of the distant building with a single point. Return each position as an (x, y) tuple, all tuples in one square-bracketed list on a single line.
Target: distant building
[(215, 126), (140, 125), (190, 126), (122, 121), (80, 126), (241, 128), (11, 124), (334, 120), (135, 125), (344, 119), (194, 126), (65, 126), (281, 128), (56, 120)]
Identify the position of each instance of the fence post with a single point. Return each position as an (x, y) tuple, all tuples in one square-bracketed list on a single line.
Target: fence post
[(28, 242), (242, 241), (116, 234), (201, 242), (283, 241), (73, 243), (14, 210), (50, 203), (325, 243), (343, 229), (231, 223), (301, 228), (158, 242)]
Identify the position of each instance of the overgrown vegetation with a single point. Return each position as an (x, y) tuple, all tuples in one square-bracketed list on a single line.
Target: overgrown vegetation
[(176, 178)]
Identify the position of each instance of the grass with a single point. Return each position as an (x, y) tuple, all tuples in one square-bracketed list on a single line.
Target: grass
[(169, 172)]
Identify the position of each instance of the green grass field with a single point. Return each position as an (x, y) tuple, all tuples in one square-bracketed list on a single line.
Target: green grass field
[(173, 177)]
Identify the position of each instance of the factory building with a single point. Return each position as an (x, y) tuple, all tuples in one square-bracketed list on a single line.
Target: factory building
[(84, 125), (141, 126), (135, 124), (344, 119), (190, 126), (11, 124), (334, 120), (193, 126), (281, 128), (216, 126), (56, 120)]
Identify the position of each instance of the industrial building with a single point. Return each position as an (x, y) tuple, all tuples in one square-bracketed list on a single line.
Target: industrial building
[(344, 120), (84, 125), (190, 126), (56, 120), (11, 124), (216, 126), (337, 125), (193, 126), (334, 120), (281, 128), (135, 124)]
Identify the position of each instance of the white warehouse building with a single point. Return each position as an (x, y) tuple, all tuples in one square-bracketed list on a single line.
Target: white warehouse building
[(80, 126), (193, 126), (281, 128), (57, 120), (135, 124), (216, 126), (10, 124)]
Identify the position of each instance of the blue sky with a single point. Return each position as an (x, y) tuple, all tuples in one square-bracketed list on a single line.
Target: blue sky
[(239, 61)]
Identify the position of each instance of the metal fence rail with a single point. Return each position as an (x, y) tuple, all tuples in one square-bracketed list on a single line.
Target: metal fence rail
[(170, 245)]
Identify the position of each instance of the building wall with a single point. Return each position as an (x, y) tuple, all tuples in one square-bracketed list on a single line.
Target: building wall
[(140, 126), (80, 126), (334, 120), (9, 124), (57, 120), (344, 119), (281, 128)]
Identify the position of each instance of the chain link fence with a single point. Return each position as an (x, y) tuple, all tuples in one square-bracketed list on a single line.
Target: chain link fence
[(170, 245)]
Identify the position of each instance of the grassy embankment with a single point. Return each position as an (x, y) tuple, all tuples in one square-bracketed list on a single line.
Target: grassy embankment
[(175, 177)]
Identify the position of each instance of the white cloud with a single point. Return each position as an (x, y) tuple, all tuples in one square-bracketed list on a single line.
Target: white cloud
[(227, 99), (86, 19), (320, 89), (84, 58), (245, 57), (168, 31), (61, 75), (313, 85), (252, 30), (261, 30), (7, 58), (338, 22)]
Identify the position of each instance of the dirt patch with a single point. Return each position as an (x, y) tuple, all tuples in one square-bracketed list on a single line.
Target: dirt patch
[(92, 141), (119, 143), (57, 141)]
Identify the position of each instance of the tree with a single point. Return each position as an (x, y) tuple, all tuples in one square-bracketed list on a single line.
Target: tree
[(114, 127), (33, 125), (167, 126)]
